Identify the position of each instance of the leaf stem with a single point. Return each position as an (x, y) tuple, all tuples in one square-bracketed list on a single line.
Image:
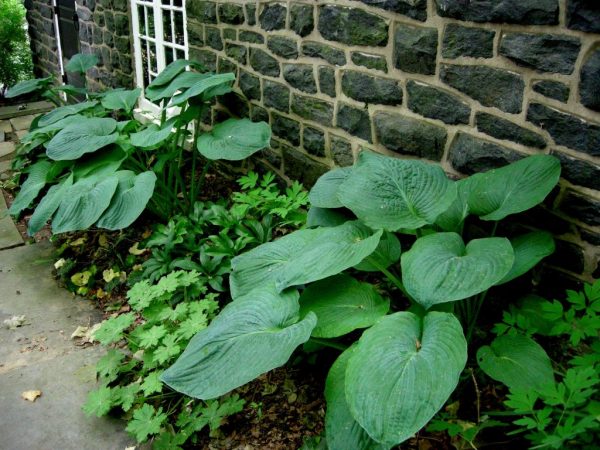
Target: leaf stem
[(328, 343)]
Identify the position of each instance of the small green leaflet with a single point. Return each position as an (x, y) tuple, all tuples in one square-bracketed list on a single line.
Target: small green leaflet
[(108, 366), (146, 422), (152, 336), (152, 383), (168, 350), (112, 329), (99, 402)]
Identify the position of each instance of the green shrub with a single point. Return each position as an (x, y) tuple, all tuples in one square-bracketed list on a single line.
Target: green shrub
[(15, 61)]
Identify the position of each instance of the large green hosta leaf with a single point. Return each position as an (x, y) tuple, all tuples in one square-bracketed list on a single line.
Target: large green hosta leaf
[(517, 361), (387, 253), (81, 63), (252, 335), (124, 100), (391, 193), (440, 268), (28, 86), (129, 201), (201, 86), (100, 164), (529, 250), (64, 111), (171, 71), (302, 257), (183, 81), (234, 139), (453, 218), (83, 203), (403, 370), (79, 138), (495, 194), (153, 135), (324, 217), (342, 431), (37, 179), (48, 205), (324, 194), (342, 305)]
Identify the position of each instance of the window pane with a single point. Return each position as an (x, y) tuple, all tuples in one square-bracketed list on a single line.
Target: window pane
[(169, 57), (150, 13), (179, 36), (167, 32), (178, 3), (141, 20)]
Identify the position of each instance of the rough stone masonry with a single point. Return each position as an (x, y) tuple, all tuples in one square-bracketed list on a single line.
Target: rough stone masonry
[(469, 84)]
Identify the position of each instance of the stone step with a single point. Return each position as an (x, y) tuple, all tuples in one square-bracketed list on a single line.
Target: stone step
[(7, 112)]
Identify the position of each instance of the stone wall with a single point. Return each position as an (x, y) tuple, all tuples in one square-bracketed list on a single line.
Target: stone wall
[(459, 82), (41, 33)]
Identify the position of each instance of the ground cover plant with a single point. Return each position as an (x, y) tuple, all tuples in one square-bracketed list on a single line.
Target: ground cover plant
[(92, 163), (390, 382)]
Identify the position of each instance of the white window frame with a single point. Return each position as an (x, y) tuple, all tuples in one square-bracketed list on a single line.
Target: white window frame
[(158, 40)]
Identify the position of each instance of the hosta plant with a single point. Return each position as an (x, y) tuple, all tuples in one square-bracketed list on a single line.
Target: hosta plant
[(307, 285), (93, 164)]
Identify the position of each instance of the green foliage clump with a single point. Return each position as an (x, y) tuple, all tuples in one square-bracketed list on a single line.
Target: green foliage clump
[(15, 63), (164, 317)]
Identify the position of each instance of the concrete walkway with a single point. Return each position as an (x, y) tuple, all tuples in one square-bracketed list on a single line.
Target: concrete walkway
[(40, 355)]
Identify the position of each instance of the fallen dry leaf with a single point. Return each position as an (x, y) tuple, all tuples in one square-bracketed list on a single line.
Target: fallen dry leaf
[(15, 322), (86, 334), (30, 396)]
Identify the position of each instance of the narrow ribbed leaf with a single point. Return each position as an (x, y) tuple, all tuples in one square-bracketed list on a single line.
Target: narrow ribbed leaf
[(303, 256), (35, 182), (323, 217), (100, 164), (439, 268), (392, 193), (324, 194), (252, 335), (153, 135), (83, 204), (48, 205), (342, 431), (171, 71), (402, 372), (125, 100), (517, 361), (201, 86), (28, 86), (388, 252), (64, 111), (529, 250), (79, 138), (342, 305), (182, 81), (234, 139), (81, 63)]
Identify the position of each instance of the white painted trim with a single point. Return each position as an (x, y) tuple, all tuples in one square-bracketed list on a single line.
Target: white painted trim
[(58, 42)]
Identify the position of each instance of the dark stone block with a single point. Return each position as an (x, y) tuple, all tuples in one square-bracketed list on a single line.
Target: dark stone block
[(436, 104), (327, 81), (225, 65), (410, 136), (314, 141), (250, 14), (205, 57), (276, 95), (552, 89), (565, 129), (272, 17), (109, 20), (540, 216), (313, 109), (581, 207), (259, 114), (355, 121), (352, 26), (466, 41), (236, 104), (213, 38), (205, 12), (489, 86), (578, 171), (567, 256), (120, 5), (341, 151), (252, 37), (583, 15), (122, 24), (286, 128), (526, 12), (589, 81), (300, 167), (542, 52), (300, 76), (470, 155), (552, 283), (107, 38), (264, 63), (272, 157), (123, 44), (504, 129), (230, 34), (195, 33), (237, 52), (301, 19), (282, 46), (369, 61), (331, 55), (370, 89), (250, 85), (231, 13), (415, 9), (590, 236), (415, 49)]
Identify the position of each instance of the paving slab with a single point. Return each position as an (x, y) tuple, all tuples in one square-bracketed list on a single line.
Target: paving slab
[(5, 166), (9, 235), (41, 356), (20, 134), (6, 148), (5, 126), (22, 122), (24, 109)]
